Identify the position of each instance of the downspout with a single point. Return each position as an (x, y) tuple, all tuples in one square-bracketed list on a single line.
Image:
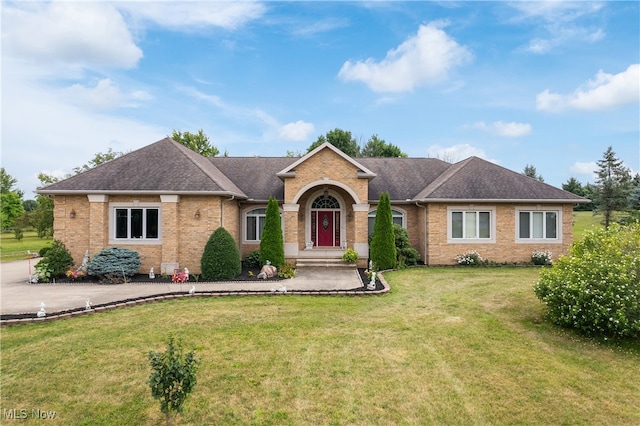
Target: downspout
[(233, 197), (426, 249)]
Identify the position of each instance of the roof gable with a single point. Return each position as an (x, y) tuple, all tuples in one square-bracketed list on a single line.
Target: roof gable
[(290, 170), (475, 179), (164, 166)]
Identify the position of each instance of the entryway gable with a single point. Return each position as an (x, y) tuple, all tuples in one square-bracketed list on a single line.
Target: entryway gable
[(290, 171)]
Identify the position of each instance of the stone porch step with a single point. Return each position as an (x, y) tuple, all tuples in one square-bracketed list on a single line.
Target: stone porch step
[(336, 263)]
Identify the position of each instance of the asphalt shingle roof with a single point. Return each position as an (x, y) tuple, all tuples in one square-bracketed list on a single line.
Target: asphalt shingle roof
[(168, 167)]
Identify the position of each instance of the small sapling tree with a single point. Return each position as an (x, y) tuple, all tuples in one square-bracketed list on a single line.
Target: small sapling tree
[(173, 377)]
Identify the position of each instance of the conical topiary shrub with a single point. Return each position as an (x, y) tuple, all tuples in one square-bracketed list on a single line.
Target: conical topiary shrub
[(271, 242), (383, 243), (221, 257)]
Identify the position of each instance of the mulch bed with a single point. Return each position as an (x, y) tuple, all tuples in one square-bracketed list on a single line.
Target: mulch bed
[(144, 278)]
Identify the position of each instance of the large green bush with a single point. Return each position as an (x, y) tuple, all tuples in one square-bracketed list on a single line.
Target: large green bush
[(383, 244), (271, 242), (221, 257), (114, 264), (55, 262), (596, 288)]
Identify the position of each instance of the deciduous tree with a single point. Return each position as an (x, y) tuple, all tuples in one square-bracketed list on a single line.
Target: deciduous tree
[(377, 147), (198, 142), (339, 138)]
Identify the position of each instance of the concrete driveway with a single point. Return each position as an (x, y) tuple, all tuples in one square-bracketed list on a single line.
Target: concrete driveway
[(17, 296)]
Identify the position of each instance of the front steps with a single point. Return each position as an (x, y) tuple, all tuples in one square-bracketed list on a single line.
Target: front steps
[(325, 262)]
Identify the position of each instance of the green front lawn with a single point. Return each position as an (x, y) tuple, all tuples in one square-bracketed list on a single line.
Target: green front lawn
[(13, 249), (446, 346)]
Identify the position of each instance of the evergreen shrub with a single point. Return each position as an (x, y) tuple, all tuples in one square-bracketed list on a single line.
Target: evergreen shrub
[(383, 245), (114, 264), (272, 241), (407, 255), (221, 257), (252, 260)]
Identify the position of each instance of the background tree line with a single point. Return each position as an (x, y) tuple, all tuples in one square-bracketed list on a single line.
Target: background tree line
[(615, 189)]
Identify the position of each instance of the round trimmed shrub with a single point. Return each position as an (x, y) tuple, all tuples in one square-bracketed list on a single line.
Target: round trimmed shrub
[(114, 264), (596, 288), (221, 257)]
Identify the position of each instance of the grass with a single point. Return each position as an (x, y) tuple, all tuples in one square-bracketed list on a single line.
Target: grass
[(446, 346), (13, 249), (583, 221)]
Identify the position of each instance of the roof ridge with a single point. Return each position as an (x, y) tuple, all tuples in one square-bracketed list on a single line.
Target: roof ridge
[(443, 178), (201, 162)]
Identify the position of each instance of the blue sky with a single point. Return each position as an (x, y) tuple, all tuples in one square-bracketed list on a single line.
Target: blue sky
[(547, 83)]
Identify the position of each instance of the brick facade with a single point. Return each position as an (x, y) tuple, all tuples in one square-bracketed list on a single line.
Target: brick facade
[(82, 222)]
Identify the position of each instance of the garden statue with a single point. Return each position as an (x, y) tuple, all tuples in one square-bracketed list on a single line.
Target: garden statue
[(151, 274), (372, 283), (85, 261), (192, 290), (42, 312), (87, 305)]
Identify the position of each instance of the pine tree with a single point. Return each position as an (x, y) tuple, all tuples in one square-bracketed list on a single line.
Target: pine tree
[(613, 186), (383, 245), (271, 242)]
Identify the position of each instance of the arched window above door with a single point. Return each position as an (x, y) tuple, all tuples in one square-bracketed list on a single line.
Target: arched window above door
[(325, 202)]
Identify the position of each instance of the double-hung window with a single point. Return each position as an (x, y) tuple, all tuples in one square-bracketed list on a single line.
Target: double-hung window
[(255, 224), (466, 225), (136, 223), (537, 225)]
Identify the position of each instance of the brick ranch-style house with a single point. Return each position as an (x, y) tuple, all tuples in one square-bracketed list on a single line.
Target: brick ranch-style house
[(164, 201)]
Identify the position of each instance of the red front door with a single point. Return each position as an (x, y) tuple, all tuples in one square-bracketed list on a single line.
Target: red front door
[(325, 229)]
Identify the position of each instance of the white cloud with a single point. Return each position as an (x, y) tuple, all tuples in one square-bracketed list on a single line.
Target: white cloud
[(424, 58), (42, 131), (104, 95), (297, 132), (82, 34), (455, 153), (560, 21), (502, 129), (189, 15), (605, 91), (584, 168)]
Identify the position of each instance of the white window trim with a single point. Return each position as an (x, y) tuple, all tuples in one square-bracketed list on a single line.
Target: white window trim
[(244, 223), (557, 240), (402, 212), (137, 241), (492, 225)]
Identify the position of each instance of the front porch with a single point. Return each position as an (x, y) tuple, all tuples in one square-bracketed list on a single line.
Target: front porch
[(330, 257)]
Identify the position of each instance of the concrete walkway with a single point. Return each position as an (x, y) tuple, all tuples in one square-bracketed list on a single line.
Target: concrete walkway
[(17, 296)]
